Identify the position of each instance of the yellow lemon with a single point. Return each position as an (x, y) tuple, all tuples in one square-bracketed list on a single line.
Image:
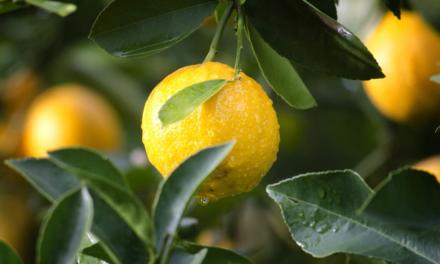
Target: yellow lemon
[(70, 115), (15, 220), (430, 165), (408, 51), (241, 110)]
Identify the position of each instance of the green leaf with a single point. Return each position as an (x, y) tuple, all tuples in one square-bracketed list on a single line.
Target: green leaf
[(100, 251), (405, 198), (128, 28), (394, 6), (8, 255), (9, 6), (182, 257), (308, 37), (353, 259), (118, 239), (59, 8), (187, 100), (178, 189), (116, 194), (436, 79), (87, 161), (65, 228), (48, 179), (120, 242), (326, 6), (322, 213), (280, 74), (214, 255), (83, 259)]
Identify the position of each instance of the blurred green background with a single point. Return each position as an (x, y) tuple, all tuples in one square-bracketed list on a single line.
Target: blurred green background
[(344, 131)]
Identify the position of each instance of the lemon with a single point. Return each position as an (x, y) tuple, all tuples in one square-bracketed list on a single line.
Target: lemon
[(241, 110), (430, 165), (70, 115), (408, 52), (15, 219)]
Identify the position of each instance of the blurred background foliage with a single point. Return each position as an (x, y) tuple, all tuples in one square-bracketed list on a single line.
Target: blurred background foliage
[(39, 50)]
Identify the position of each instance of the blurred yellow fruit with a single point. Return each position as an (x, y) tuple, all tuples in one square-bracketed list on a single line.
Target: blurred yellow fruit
[(430, 165), (211, 238), (15, 220), (240, 111), (15, 93), (408, 51), (70, 115)]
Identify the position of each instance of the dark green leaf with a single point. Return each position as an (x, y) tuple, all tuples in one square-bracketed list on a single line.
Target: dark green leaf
[(119, 241), (429, 9), (326, 6), (129, 28), (100, 251), (312, 39), (182, 257), (321, 211), (47, 178), (178, 189), (405, 198), (83, 259), (9, 6), (65, 228), (353, 259), (82, 160), (280, 74), (59, 8), (214, 255), (436, 78), (117, 195), (187, 100), (7, 255), (394, 6)]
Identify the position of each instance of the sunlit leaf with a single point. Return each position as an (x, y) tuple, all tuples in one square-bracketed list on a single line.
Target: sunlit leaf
[(59, 8), (187, 100), (280, 74)]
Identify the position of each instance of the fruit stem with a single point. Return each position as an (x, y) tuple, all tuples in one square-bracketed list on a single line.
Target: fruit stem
[(240, 26), (218, 33)]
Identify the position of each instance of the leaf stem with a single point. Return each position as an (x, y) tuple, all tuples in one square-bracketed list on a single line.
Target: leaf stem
[(164, 258), (239, 33), (218, 33)]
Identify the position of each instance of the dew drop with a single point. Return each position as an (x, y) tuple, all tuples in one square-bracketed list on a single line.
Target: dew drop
[(335, 229), (204, 201)]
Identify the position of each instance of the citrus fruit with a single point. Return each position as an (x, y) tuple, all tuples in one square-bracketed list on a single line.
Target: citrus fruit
[(16, 92), (408, 51), (70, 115), (241, 110), (15, 219), (430, 165)]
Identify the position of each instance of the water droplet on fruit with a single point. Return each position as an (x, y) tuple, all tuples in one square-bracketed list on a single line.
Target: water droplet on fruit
[(204, 201)]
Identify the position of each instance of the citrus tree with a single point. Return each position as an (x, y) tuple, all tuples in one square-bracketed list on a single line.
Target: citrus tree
[(211, 131)]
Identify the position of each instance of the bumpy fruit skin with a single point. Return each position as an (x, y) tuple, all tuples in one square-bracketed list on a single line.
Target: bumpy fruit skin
[(240, 111), (408, 51), (430, 165), (70, 115)]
